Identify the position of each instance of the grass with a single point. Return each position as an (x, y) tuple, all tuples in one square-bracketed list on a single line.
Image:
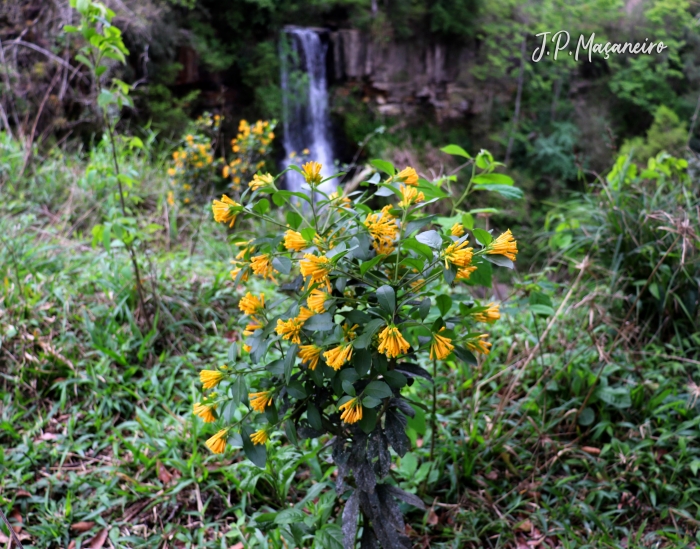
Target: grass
[(575, 445)]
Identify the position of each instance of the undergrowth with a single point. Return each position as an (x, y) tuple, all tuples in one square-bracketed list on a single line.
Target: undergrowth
[(554, 440)]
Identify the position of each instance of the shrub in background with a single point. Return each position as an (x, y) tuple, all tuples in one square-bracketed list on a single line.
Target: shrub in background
[(641, 225)]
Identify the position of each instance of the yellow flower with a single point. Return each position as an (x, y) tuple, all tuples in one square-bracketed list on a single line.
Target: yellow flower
[(259, 437), (342, 201), (171, 172), (349, 332), (318, 268), (441, 347), (490, 315), (234, 274), (260, 401), (260, 181), (458, 254), (210, 378), (410, 195), (312, 172), (383, 229), (291, 329), (223, 210), (252, 327), (262, 266), (464, 273), (226, 172), (316, 301), (247, 348), (504, 245), (305, 152), (171, 198), (408, 176), (217, 443), (335, 358), (310, 354), (392, 343), (352, 411), (478, 345), (294, 241), (251, 304), (457, 230), (205, 411)]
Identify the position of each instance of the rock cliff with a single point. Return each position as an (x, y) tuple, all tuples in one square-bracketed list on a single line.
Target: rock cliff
[(402, 76)]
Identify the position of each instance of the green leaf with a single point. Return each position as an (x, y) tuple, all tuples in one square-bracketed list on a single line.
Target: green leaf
[(386, 190), (289, 360), (500, 260), (294, 219), (282, 264), (506, 191), (540, 298), (455, 150), (413, 245), (482, 276), (386, 298), (361, 361), (348, 387), (262, 207), (365, 339), (296, 389), (430, 238), (424, 309), (320, 323), (283, 196), (107, 236), (367, 265), (371, 402), (587, 416), (444, 303), (618, 397), (384, 166), (395, 379), (239, 391), (493, 178), (542, 310), (257, 453), (482, 237), (82, 6), (377, 389), (330, 536), (418, 224), (368, 421), (314, 417), (308, 234)]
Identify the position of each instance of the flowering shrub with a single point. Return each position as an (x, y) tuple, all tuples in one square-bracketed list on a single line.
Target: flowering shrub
[(361, 303), (249, 147), (194, 163)]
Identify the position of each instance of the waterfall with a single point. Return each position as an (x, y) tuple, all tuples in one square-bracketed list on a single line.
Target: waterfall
[(305, 103)]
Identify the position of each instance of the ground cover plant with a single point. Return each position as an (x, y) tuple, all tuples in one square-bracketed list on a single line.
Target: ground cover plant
[(99, 439)]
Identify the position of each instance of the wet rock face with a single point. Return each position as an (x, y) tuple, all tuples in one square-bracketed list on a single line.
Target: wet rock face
[(404, 75)]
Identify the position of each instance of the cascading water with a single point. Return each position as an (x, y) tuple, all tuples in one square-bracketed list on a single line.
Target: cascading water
[(305, 103)]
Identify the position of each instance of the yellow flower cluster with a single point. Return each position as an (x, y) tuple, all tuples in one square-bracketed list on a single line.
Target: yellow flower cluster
[(325, 291), (193, 163), (352, 411), (250, 147), (384, 229)]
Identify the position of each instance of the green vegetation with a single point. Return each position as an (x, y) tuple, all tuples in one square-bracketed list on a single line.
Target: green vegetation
[(568, 429), (577, 428)]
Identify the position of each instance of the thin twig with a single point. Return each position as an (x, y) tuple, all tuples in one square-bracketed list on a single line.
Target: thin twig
[(13, 535)]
